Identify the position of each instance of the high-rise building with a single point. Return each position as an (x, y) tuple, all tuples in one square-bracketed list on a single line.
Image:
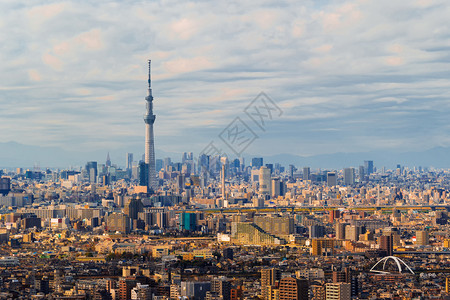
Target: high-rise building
[(338, 291), (331, 179), (292, 288), (194, 289), (125, 287), (316, 231), (133, 208), (352, 232), (188, 221), (306, 173), (368, 167), (91, 170), (276, 187), (108, 161), (257, 162), (268, 278), (278, 226), (118, 222), (349, 176), (5, 185), (222, 177), (362, 175), (149, 120), (340, 231), (322, 247), (422, 238), (264, 181), (222, 287), (129, 162), (387, 244)]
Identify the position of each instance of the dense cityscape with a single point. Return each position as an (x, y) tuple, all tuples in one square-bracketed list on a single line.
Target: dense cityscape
[(220, 229)]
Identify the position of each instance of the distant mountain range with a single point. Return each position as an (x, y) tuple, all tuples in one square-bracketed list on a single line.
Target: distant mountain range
[(13, 155)]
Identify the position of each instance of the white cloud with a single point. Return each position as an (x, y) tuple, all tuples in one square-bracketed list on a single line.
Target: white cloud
[(328, 66)]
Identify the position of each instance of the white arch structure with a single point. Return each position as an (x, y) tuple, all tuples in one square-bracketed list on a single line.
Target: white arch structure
[(397, 260)]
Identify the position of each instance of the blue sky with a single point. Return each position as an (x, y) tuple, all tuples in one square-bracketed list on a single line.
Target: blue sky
[(349, 76)]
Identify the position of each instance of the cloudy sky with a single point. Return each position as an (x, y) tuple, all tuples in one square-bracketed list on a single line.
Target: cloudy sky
[(349, 76)]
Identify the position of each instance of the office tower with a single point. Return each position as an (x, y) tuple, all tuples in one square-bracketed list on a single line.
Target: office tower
[(129, 162), (292, 288), (340, 231), (264, 181), (143, 173), (242, 163), (306, 173), (334, 214), (338, 291), (322, 247), (331, 179), (194, 289), (108, 161), (125, 287), (167, 163), (118, 222), (257, 162), (316, 231), (222, 177), (159, 164), (368, 167), (352, 232), (133, 208), (268, 278), (91, 170), (149, 120), (222, 287), (5, 185), (349, 176), (387, 244), (422, 238), (276, 188), (291, 170), (188, 221), (278, 226), (270, 167), (362, 174)]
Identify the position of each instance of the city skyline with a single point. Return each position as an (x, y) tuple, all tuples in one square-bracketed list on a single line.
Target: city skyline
[(349, 77)]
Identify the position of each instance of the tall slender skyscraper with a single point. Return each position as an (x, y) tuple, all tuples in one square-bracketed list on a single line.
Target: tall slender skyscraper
[(149, 119)]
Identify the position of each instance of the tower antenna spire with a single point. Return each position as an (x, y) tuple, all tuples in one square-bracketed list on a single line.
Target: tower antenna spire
[(149, 73)]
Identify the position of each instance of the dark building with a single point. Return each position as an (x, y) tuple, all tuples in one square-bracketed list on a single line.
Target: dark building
[(5, 185), (42, 285), (222, 287), (387, 244), (30, 222), (368, 167), (133, 208), (125, 287), (268, 278), (188, 221), (294, 289), (143, 173), (228, 253), (91, 170), (118, 222), (257, 162)]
